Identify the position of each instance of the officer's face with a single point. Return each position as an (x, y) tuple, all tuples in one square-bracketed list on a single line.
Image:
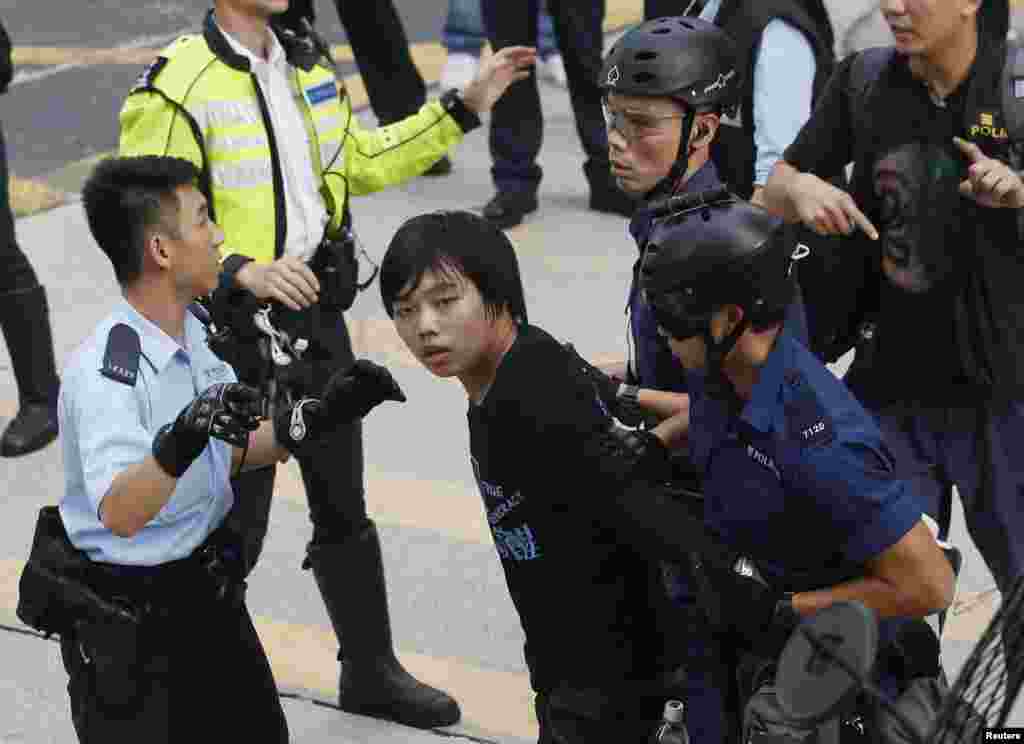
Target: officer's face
[(643, 139), (921, 27), (443, 323), (193, 252), (258, 8)]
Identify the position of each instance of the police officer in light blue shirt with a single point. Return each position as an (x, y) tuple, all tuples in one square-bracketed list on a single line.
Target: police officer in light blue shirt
[(153, 427), (794, 471), (109, 425), (783, 83)]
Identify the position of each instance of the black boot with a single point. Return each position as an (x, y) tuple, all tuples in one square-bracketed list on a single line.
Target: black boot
[(373, 682), (24, 318)]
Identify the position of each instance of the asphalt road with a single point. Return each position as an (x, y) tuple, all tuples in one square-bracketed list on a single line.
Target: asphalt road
[(55, 114)]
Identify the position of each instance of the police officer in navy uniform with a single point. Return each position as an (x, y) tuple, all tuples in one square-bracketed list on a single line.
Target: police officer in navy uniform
[(794, 472), (933, 226), (668, 84), (154, 426)]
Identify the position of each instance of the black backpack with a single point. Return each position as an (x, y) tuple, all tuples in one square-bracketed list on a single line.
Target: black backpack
[(840, 284)]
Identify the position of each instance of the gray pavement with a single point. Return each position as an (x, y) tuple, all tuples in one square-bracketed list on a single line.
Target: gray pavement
[(453, 621)]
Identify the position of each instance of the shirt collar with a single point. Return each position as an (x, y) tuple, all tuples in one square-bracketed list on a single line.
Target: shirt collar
[(275, 57), (157, 346), (765, 398), (706, 178)]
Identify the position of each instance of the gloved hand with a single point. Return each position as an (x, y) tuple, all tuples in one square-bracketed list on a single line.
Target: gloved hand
[(761, 616), (622, 455), (354, 392), (607, 389), (349, 394), (226, 411)]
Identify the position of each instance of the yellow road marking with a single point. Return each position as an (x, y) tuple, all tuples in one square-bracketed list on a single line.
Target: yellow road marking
[(618, 14), (304, 658)]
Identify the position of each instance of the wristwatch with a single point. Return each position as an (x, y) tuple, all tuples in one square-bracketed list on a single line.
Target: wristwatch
[(453, 105)]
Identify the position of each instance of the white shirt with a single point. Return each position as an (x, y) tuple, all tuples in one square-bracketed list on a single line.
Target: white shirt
[(305, 212)]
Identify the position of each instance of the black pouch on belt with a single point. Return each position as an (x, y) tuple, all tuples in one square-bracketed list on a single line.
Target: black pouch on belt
[(337, 269), (54, 591)]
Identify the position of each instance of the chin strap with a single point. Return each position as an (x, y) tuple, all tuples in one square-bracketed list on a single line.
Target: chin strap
[(670, 182), (717, 384)]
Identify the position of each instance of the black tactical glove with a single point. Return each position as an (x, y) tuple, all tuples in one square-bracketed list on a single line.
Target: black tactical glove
[(608, 389), (348, 395), (622, 455), (354, 392), (762, 617), (227, 411)]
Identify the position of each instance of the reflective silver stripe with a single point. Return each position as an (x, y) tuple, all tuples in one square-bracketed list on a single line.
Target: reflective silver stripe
[(227, 113), (328, 151), (327, 123), (232, 143), (243, 174)]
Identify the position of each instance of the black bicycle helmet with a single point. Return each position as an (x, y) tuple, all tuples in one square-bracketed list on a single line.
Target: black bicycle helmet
[(687, 59), (725, 251)]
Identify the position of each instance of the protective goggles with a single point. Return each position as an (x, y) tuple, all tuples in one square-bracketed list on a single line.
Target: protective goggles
[(633, 125)]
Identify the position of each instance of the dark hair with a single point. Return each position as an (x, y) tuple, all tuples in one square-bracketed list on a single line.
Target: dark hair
[(454, 243), (126, 197)]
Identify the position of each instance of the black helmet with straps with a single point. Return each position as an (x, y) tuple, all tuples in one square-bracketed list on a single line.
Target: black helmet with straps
[(715, 250), (686, 59)]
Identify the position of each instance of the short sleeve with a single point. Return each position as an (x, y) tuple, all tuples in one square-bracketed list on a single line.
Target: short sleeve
[(110, 435), (824, 145), (783, 92), (858, 495)]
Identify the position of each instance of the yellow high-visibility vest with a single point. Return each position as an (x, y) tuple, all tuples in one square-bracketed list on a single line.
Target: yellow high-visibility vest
[(199, 101)]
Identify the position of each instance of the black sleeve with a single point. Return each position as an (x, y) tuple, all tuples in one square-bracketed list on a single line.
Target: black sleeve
[(570, 422), (824, 145), (660, 524)]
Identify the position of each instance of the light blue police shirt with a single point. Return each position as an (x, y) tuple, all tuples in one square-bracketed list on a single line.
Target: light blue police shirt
[(783, 89), (107, 426)]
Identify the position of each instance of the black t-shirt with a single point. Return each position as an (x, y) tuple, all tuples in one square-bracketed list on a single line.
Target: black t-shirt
[(905, 180), (586, 599)]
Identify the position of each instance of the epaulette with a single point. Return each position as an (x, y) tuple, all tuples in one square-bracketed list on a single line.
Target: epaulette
[(121, 357), (807, 421), (146, 79)]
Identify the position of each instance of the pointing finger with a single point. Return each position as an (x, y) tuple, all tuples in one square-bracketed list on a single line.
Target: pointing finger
[(971, 150)]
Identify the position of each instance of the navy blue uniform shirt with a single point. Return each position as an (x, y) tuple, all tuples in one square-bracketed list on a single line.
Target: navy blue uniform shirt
[(800, 478)]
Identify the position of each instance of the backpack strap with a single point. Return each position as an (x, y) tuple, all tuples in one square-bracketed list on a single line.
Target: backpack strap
[(1013, 99)]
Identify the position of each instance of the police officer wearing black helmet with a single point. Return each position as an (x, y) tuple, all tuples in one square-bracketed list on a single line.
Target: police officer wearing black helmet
[(794, 471), (667, 84)]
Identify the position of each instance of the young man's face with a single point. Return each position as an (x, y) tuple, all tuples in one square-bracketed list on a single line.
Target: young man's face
[(643, 154), (921, 27), (195, 261), (444, 324)]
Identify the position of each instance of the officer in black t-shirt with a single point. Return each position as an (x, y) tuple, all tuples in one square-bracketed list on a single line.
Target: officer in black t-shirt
[(941, 267), (577, 517)]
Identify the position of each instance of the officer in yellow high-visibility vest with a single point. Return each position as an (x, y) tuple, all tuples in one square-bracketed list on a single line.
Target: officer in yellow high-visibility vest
[(260, 112)]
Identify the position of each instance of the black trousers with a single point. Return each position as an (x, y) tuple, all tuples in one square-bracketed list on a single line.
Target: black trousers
[(16, 273), (381, 48), (197, 673), (517, 123), (572, 717), (332, 471), (661, 8)]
